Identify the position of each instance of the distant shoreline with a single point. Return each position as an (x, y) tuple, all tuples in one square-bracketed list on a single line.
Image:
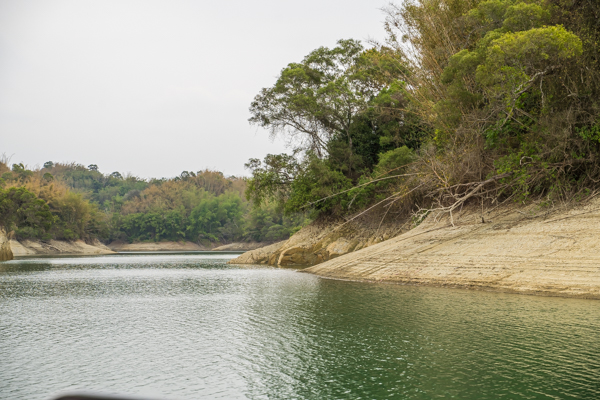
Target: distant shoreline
[(183, 246), (28, 248)]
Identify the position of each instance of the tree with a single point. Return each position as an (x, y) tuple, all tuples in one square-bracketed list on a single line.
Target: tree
[(23, 211), (509, 88), (515, 57), (318, 98), (22, 172), (271, 179), (339, 109)]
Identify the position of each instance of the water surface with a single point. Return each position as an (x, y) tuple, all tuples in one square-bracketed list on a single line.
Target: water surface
[(188, 326)]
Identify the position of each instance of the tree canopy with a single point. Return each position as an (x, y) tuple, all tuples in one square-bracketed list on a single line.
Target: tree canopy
[(319, 98), (488, 99)]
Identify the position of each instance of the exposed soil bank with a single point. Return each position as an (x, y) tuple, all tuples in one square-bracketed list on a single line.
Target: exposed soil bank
[(183, 246), (156, 246), (321, 241), (58, 247), (10, 248), (241, 246), (522, 250)]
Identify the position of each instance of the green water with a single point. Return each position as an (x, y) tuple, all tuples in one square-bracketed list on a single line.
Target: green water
[(188, 326)]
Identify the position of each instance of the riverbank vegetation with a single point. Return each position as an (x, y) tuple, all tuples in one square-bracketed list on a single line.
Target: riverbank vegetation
[(71, 201), (466, 100)]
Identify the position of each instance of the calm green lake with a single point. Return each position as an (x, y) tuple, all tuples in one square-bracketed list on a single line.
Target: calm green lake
[(188, 326)]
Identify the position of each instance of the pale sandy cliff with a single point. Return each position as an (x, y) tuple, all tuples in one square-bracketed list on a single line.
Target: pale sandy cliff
[(523, 249)]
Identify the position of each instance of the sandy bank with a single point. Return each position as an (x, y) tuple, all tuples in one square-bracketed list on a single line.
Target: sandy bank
[(57, 247), (523, 250), (182, 246), (241, 246), (156, 246), (321, 241)]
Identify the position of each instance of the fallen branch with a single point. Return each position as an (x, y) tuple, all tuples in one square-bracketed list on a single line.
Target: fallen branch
[(461, 201)]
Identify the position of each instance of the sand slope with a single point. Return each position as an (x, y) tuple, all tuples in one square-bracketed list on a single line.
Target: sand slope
[(525, 250), (156, 246), (37, 247), (183, 246), (321, 241)]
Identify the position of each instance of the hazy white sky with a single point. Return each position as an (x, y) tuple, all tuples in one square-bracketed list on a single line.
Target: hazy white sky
[(155, 87)]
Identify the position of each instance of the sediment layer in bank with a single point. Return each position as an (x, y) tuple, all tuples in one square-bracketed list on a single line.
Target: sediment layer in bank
[(525, 250)]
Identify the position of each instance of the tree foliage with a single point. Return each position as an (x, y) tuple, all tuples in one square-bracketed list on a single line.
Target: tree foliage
[(318, 99), (24, 212), (495, 99), (340, 109)]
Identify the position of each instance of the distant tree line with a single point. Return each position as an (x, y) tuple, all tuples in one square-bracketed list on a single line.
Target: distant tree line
[(71, 201)]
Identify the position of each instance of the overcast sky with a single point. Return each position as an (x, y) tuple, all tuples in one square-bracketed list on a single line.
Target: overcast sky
[(155, 87)]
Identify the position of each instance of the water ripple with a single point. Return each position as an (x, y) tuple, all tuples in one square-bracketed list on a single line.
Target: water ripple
[(188, 326)]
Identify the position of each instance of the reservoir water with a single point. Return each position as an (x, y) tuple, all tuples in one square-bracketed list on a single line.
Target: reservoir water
[(188, 326)]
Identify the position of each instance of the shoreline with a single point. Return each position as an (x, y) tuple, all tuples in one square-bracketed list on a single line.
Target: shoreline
[(182, 246), (32, 248), (519, 249), (514, 248), (166, 252), (480, 288)]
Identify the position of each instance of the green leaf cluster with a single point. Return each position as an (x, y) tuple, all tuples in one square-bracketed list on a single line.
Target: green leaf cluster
[(25, 213)]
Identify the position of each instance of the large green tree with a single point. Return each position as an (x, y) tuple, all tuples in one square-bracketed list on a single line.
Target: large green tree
[(339, 109), (319, 98)]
